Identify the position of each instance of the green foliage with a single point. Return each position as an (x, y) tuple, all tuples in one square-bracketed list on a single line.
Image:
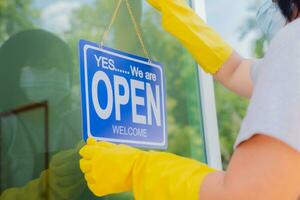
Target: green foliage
[(230, 110), (249, 26), (15, 15)]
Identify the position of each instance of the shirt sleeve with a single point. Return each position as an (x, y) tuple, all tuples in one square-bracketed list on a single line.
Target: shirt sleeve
[(254, 68), (274, 108)]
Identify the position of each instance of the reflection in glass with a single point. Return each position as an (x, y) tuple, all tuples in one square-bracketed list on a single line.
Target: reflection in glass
[(37, 65), (16, 149)]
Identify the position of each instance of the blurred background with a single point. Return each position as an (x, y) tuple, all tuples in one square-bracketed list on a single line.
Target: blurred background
[(41, 37)]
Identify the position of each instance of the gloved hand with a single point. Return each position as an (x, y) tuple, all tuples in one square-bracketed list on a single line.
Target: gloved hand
[(206, 46), (33, 190), (111, 168), (65, 178)]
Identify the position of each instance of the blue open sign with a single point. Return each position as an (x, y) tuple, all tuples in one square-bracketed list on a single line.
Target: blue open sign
[(123, 97)]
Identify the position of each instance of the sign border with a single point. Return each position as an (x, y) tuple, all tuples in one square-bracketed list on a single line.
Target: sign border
[(85, 46)]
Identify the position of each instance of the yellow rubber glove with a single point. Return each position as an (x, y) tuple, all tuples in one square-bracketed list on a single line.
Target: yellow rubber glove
[(111, 168), (206, 46)]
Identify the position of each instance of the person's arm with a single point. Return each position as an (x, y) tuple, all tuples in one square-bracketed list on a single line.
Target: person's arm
[(208, 48), (235, 75), (261, 168), (109, 168)]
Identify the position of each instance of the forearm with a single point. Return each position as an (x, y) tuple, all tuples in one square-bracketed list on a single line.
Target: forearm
[(235, 75), (213, 54)]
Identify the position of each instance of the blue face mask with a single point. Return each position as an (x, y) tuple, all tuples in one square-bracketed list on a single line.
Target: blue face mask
[(269, 18)]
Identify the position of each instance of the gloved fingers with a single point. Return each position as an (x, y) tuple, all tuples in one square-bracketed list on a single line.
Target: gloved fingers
[(67, 192), (106, 144), (91, 141), (61, 157), (80, 145), (69, 168), (67, 181), (87, 152), (85, 165), (102, 189), (75, 190), (89, 178), (53, 194), (95, 189)]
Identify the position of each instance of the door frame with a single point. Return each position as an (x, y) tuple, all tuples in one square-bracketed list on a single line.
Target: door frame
[(208, 105)]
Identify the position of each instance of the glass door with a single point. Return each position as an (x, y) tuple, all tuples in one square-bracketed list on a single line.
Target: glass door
[(39, 64)]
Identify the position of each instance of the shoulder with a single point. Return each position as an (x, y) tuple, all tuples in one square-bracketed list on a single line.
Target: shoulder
[(287, 38), (283, 54), (291, 30)]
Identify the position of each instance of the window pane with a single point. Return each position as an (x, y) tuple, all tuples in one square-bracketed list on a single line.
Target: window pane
[(40, 120), (240, 30)]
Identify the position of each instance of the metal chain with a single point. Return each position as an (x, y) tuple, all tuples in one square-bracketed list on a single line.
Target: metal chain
[(135, 24)]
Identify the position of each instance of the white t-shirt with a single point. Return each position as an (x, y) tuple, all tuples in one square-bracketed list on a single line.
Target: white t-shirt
[(274, 108)]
